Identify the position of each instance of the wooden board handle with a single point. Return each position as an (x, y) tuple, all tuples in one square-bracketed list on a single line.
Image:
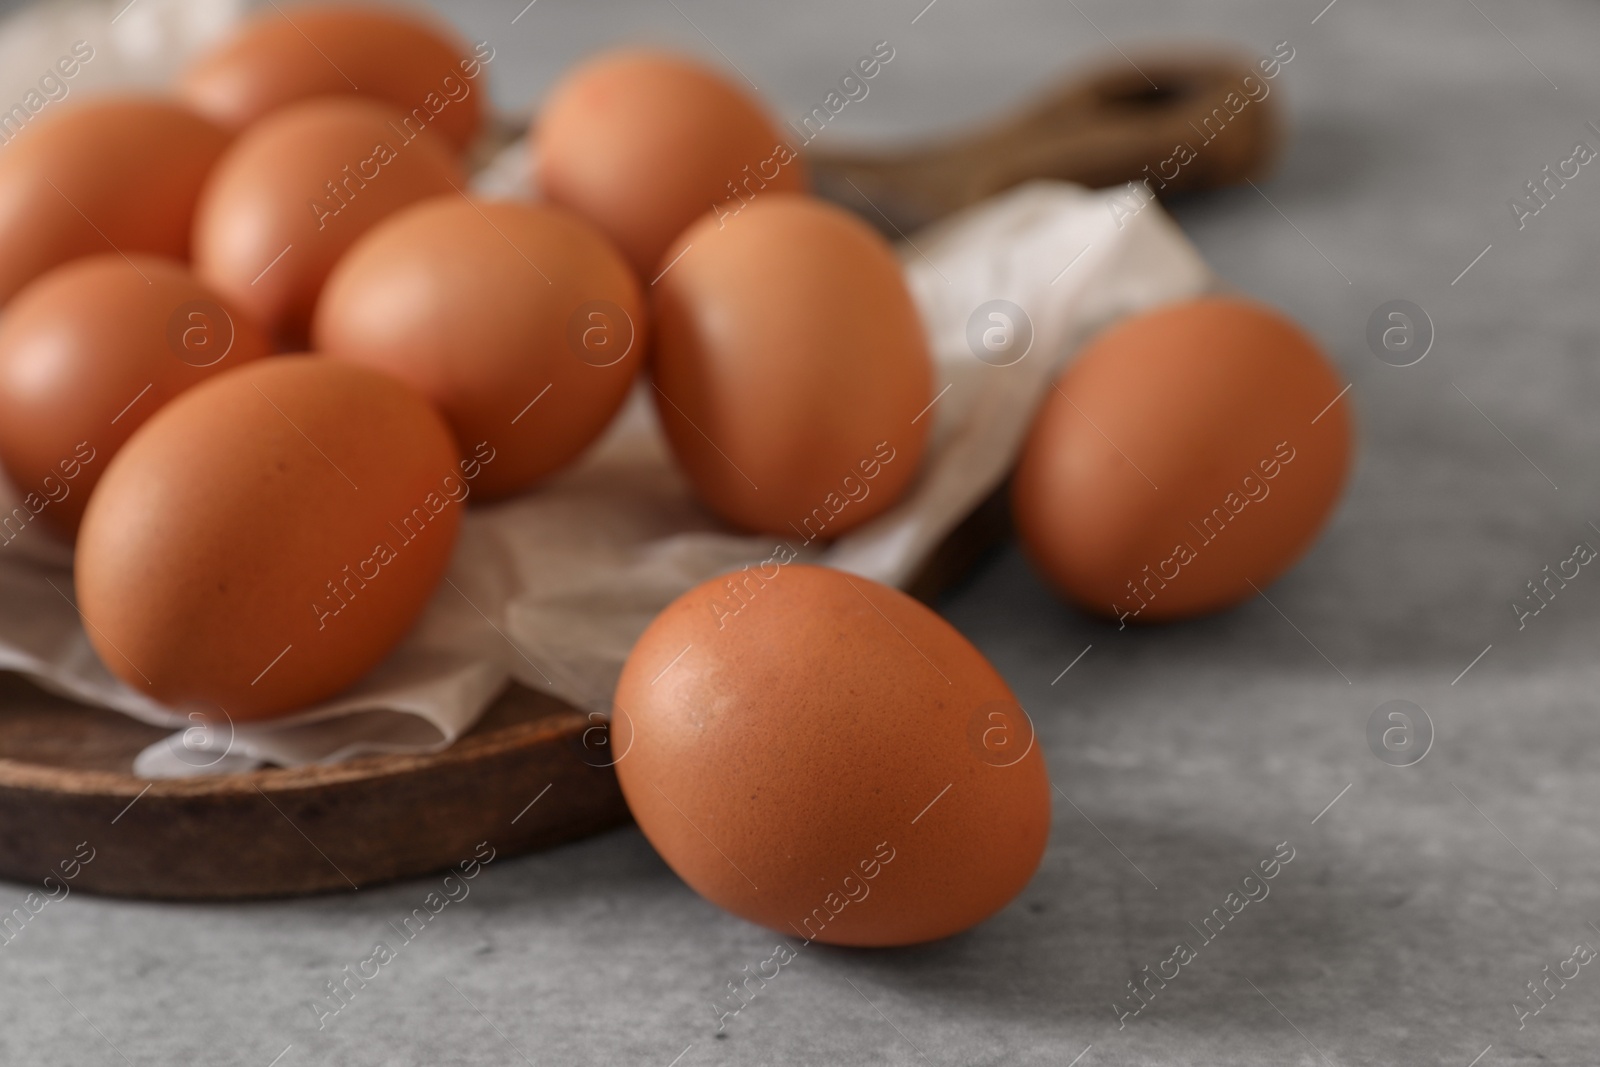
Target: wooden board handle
[(1098, 131)]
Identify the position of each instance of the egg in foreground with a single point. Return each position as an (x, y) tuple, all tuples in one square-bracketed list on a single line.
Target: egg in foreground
[(822, 755), (267, 537)]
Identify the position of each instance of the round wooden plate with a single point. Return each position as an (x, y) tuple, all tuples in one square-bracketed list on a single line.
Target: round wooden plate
[(532, 773)]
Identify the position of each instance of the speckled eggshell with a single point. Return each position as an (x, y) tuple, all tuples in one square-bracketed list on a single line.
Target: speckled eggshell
[(824, 756), (643, 142), (520, 322), (116, 173), (791, 368), (291, 52), (90, 351), (1186, 458), (267, 537), (298, 189)]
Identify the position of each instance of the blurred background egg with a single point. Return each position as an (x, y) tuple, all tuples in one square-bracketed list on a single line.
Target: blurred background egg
[(293, 52), (790, 368), (642, 143), (521, 323), (267, 537), (299, 188), (90, 351), (120, 174), (1186, 457), (820, 754)]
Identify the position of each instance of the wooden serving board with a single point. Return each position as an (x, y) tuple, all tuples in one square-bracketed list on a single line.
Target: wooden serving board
[(533, 772), (66, 777)]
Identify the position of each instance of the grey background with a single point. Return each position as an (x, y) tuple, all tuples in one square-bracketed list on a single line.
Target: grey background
[(1416, 907)]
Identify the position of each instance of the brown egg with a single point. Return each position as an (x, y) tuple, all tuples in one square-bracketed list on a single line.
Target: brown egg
[(115, 174), (88, 353), (642, 143), (298, 189), (293, 52), (520, 322), (1187, 457), (825, 756), (266, 538), (791, 369)]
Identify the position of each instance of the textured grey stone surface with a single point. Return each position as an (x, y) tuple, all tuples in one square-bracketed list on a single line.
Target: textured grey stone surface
[(1415, 908)]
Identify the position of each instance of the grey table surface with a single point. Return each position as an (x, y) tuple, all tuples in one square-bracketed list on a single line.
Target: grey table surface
[(1417, 906)]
